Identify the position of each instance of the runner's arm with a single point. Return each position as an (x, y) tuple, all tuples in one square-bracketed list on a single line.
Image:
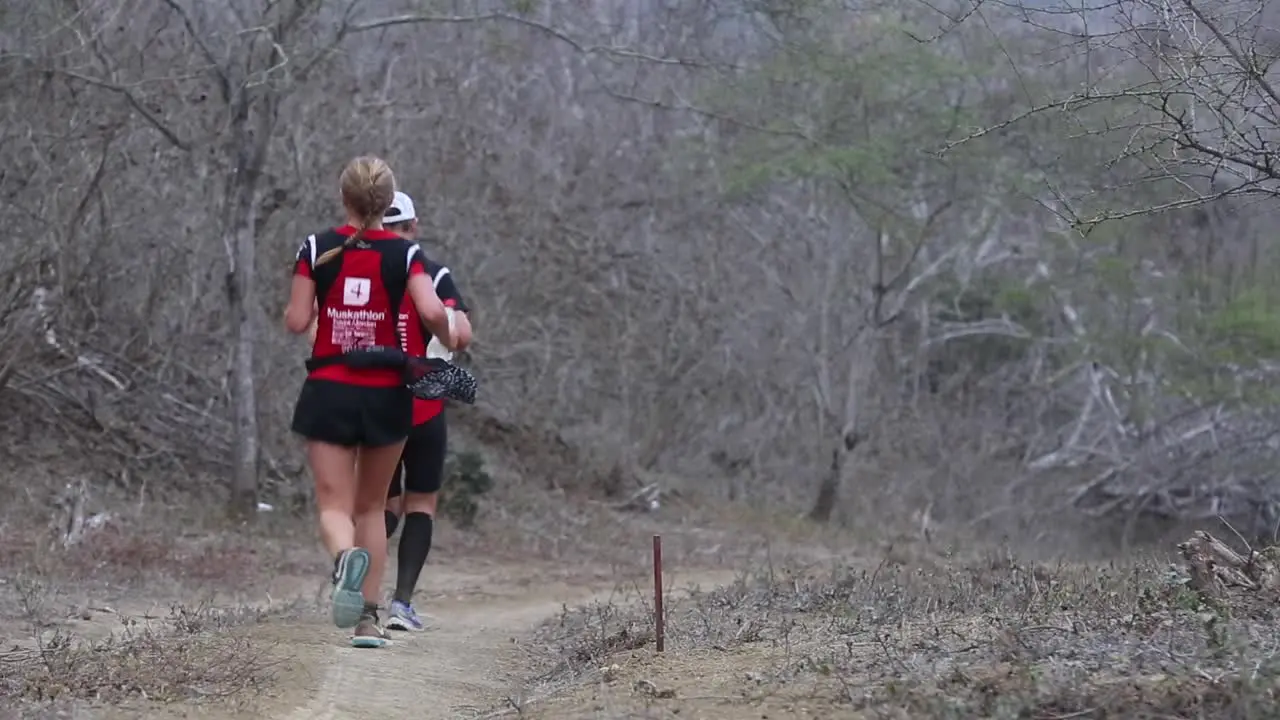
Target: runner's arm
[(447, 290), (303, 308), (461, 330), (422, 291), (301, 312), (315, 323)]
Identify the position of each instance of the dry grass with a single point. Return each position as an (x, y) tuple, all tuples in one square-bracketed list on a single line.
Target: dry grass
[(150, 610), (901, 637), (991, 638), (193, 654)]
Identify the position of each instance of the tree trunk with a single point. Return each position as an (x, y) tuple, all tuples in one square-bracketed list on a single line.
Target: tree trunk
[(244, 479), (829, 489), (251, 132)]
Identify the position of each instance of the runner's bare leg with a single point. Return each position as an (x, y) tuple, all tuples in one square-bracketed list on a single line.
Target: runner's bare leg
[(376, 466)]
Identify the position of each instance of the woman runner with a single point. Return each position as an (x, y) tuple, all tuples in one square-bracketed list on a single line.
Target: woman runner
[(354, 409), (421, 469)]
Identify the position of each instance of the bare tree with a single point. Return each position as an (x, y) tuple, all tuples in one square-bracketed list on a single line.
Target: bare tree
[(248, 103), (1180, 102), (701, 239), (862, 221), (244, 63)]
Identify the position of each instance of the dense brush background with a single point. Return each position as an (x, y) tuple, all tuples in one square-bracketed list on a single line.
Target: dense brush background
[(1002, 268)]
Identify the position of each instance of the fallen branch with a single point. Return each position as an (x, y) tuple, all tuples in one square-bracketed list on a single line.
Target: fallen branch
[(1215, 567), (647, 499)]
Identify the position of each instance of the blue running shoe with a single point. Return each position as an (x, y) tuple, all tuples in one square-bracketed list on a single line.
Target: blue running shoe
[(349, 570), (403, 617)]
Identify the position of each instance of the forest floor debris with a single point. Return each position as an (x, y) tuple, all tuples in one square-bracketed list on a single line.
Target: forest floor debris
[(155, 621), (996, 638)]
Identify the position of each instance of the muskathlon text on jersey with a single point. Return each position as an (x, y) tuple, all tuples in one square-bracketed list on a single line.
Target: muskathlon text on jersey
[(370, 315)]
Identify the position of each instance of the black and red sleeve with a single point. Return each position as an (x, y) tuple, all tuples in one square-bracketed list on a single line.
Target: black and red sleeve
[(448, 291), (305, 263)]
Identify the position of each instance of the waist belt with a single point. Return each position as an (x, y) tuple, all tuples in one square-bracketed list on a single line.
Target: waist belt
[(371, 358), (427, 379)]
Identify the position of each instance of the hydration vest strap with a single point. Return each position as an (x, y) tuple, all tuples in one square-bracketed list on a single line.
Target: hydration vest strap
[(394, 265)]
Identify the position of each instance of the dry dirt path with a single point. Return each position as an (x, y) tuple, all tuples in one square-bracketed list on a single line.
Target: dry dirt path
[(466, 666)]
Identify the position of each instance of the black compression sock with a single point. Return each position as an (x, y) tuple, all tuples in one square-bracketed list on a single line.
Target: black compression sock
[(415, 544), (393, 521)]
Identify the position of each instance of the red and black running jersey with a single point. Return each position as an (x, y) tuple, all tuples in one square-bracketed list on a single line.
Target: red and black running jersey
[(359, 294), (417, 336)]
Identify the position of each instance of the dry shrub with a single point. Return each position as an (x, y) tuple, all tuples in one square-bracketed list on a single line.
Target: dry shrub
[(990, 638), (197, 653), (194, 654)]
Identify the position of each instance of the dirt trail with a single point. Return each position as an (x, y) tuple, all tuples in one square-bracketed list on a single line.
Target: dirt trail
[(463, 667)]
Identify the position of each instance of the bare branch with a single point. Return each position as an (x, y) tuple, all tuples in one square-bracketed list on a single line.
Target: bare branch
[(562, 36), (150, 117), (215, 65)]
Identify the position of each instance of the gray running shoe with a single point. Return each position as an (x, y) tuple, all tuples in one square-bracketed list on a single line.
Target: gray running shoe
[(369, 633), (349, 570)]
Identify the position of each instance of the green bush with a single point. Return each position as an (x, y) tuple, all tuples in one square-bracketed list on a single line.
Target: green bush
[(465, 481), (1246, 329)]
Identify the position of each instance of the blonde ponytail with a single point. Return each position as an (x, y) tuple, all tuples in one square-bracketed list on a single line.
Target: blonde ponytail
[(368, 187), (350, 242)]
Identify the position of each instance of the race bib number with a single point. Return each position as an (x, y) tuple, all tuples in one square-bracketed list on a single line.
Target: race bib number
[(355, 291)]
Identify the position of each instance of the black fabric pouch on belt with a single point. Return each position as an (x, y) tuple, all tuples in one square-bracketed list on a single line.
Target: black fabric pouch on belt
[(426, 378)]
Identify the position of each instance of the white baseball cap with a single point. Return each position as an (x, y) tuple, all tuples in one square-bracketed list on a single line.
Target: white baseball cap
[(401, 210)]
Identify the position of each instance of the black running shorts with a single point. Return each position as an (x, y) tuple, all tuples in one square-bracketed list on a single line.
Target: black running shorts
[(352, 415), (421, 468)]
